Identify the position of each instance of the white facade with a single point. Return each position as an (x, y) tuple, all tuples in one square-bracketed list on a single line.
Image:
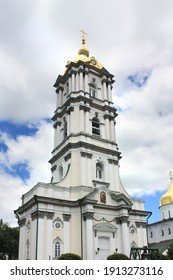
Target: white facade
[(85, 209)]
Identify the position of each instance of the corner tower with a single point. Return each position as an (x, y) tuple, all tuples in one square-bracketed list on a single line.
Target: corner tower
[(85, 150)]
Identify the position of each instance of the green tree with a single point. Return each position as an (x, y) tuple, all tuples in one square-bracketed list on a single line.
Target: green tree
[(117, 256), (9, 241), (170, 251), (69, 256)]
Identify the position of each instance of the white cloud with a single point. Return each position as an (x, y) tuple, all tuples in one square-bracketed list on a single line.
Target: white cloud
[(128, 37), (33, 150)]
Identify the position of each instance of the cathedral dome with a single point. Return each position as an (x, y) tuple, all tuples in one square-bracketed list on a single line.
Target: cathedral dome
[(83, 55), (167, 198)]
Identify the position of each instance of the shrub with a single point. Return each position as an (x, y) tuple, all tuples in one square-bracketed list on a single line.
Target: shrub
[(163, 257), (170, 251), (117, 256), (69, 256)]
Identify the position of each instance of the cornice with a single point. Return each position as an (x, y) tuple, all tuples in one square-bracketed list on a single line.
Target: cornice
[(85, 145)]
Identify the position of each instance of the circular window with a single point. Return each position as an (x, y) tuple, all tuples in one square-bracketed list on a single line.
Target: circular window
[(57, 225), (132, 231)]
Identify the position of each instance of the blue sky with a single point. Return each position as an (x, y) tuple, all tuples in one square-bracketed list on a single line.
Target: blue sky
[(133, 40)]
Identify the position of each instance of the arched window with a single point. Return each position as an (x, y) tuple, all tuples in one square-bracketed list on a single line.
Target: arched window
[(60, 173), (99, 171), (95, 126), (65, 128), (57, 249), (92, 91)]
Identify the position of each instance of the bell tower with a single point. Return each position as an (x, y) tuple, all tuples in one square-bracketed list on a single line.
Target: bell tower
[(85, 150), (85, 208)]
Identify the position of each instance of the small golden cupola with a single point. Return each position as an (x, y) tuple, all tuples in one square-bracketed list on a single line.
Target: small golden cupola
[(83, 55), (167, 198)]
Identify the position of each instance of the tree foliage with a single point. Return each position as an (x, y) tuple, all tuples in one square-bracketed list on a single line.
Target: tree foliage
[(170, 251), (69, 256), (117, 256), (9, 241)]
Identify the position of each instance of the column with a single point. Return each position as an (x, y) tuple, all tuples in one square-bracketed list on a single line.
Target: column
[(40, 235), (83, 168), (71, 120), (109, 91), (66, 218), (22, 239), (81, 117), (87, 120), (60, 97), (73, 81), (81, 80), (104, 90), (68, 124), (89, 176), (86, 82), (139, 235), (107, 127), (144, 234), (88, 216), (112, 128), (49, 217), (57, 99), (70, 84), (77, 82), (125, 236)]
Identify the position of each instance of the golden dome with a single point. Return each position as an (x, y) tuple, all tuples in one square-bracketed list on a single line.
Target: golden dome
[(83, 55), (167, 198)]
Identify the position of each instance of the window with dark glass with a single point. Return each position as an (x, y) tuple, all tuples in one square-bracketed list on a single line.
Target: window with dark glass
[(57, 249), (65, 128), (99, 171), (95, 126), (92, 90)]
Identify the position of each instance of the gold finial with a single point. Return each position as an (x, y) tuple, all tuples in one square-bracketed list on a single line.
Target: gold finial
[(83, 36), (171, 175)]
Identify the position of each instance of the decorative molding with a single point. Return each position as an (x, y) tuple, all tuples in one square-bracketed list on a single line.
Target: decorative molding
[(140, 224), (53, 168), (84, 108), (81, 144), (22, 222), (84, 154), (57, 123), (121, 197), (113, 161), (88, 216), (41, 214), (109, 117), (66, 217), (71, 109), (122, 219), (67, 157)]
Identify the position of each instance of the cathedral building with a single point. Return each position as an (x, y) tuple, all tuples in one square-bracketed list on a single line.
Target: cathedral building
[(84, 209)]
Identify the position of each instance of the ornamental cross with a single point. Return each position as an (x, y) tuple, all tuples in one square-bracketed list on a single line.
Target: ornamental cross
[(171, 174), (83, 36)]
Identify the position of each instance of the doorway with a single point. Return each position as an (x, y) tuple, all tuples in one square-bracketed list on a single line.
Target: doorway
[(103, 245)]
